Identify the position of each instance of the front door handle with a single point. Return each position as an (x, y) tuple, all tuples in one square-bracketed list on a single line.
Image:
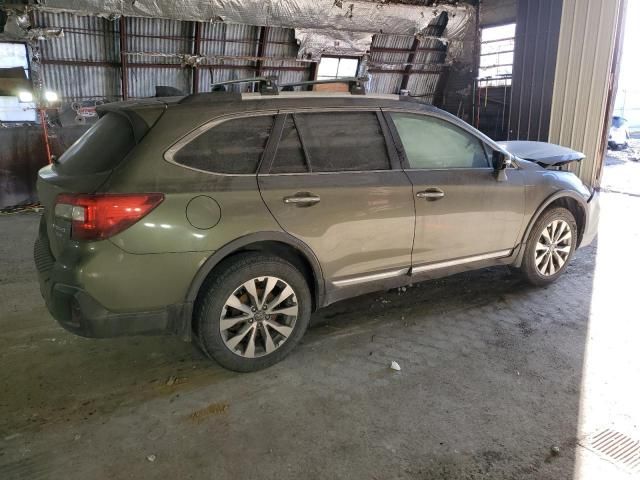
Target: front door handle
[(431, 194), (302, 199)]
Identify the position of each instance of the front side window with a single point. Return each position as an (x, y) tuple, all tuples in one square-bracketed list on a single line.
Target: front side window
[(231, 147), (343, 141), (431, 143)]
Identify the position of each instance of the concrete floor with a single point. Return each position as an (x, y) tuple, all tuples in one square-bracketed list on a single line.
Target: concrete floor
[(494, 373)]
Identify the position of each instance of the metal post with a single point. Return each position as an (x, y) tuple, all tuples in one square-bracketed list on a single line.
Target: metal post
[(262, 40), (409, 67), (123, 58), (197, 33)]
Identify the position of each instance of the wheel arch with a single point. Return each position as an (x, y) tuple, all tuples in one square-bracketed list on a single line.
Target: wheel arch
[(278, 243), (568, 199)]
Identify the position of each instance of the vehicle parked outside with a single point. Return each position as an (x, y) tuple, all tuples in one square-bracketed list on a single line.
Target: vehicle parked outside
[(619, 134), (228, 219)]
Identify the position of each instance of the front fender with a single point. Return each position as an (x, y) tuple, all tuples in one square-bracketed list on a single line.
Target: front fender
[(541, 208)]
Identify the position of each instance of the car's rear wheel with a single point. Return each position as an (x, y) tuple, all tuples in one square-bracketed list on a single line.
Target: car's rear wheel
[(551, 245), (253, 312)]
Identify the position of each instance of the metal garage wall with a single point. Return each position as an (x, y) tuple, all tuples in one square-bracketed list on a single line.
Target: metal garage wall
[(80, 65), (398, 62), (583, 79), (159, 40), (537, 33)]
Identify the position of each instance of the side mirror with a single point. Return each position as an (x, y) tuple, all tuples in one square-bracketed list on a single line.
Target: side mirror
[(501, 162)]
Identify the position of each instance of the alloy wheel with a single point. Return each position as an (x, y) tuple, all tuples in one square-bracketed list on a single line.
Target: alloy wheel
[(258, 317), (553, 247)]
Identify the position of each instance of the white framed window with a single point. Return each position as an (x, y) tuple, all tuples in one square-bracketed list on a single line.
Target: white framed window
[(15, 55), (496, 55), (337, 67)]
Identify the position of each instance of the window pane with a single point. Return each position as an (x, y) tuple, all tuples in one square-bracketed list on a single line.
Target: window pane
[(339, 142), (499, 32), (100, 148), (497, 47), (290, 156), (233, 147), (433, 143), (13, 55), (348, 67), (328, 67)]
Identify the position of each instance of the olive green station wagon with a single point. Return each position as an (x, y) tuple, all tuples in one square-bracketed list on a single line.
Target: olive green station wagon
[(229, 218)]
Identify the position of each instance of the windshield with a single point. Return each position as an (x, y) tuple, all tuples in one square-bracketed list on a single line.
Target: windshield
[(101, 148)]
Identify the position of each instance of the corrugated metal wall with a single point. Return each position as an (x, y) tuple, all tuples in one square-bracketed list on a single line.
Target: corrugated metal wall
[(583, 79), (400, 62), (86, 63), (537, 32), (80, 65)]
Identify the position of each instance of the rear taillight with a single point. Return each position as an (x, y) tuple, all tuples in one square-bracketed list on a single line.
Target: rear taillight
[(99, 216)]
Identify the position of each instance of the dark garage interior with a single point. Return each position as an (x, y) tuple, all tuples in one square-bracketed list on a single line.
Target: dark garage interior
[(476, 375)]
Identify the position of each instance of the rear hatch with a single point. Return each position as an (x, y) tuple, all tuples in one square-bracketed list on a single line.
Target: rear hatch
[(88, 163)]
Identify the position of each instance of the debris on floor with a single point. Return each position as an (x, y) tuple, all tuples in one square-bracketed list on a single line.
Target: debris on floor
[(24, 208), (212, 409), (394, 366), (151, 458)]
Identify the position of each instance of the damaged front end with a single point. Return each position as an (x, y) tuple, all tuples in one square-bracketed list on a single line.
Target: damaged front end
[(544, 154)]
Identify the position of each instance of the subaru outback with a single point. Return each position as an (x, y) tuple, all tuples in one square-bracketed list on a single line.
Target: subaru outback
[(229, 218)]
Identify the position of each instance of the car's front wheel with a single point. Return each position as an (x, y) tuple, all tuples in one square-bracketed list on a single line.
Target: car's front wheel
[(551, 245), (253, 312)]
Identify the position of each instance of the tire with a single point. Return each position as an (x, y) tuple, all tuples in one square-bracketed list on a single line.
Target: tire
[(542, 273), (227, 310)]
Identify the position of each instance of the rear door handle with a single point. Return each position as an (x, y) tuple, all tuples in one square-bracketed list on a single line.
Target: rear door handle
[(431, 194), (302, 199)]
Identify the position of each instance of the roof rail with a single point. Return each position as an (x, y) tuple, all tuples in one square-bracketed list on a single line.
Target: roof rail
[(356, 84), (268, 85)]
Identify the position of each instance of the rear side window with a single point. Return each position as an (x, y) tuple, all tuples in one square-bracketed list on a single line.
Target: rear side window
[(290, 156), (431, 143), (231, 147), (101, 148), (343, 141)]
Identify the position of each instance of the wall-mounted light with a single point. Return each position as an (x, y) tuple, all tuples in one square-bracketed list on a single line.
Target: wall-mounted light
[(25, 97), (50, 96)]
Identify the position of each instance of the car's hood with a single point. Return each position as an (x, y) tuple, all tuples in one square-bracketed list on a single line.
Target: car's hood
[(542, 153)]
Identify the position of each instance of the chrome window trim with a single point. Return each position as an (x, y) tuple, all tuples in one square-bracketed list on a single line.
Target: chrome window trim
[(460, 261), (169, 154), (330, 173)]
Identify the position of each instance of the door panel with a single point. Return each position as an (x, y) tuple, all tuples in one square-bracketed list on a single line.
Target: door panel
[(331, 185), (361, 222), (475, 215), (462, 209)]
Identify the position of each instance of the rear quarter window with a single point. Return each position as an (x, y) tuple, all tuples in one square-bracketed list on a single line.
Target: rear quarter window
[(100, 149), (231, 147)]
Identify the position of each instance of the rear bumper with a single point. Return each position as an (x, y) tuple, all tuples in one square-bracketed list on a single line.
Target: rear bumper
[(592, 220), (79, 312), (76, 311)]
